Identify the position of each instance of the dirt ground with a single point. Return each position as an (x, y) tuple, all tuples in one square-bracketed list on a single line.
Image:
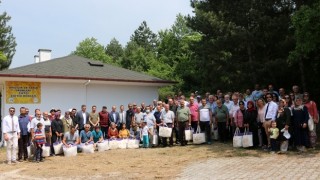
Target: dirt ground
[(152, 163)]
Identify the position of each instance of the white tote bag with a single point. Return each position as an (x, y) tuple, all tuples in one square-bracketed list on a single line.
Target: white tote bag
[(155, 140), (45, 151), (215, 132), (165, 131), (87, 148), (113, 144), (122, 143), (247, 139), (69, 152), (103, 146), (198, 137), (188, 133), (133, 143), (237, 138), (310, 123), (57, 146)]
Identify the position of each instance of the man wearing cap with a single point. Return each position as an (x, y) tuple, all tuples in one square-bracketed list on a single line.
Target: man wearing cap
[(11, 134), (104, 121)]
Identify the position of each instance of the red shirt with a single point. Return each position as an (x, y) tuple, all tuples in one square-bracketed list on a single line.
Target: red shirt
[(104, 119), (194, 111), (312, 109)]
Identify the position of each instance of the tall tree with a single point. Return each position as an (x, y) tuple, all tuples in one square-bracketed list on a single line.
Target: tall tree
[(7, 42), (91, 49), (144, 37), (243, 42), (114, 49)]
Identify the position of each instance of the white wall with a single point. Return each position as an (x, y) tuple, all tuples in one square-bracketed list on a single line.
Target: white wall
[(73, 95)]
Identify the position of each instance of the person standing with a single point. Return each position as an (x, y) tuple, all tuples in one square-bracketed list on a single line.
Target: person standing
[(11, 134), (47, 128), (157, 115), (194, 109), (283, 123), (250, 121), (130, 116), (114, 117), (205, 119), (94, 119), (67, 122), (82, 118), (57, 131), (184, 121), (313, 111), (167, 118), (173, 108), (221, 119), (24, 137), (138, 116), (270, 115), (122, 115), (104, 121)]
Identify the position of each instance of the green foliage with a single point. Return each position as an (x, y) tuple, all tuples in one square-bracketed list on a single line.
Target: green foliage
[(91, 49), (306, 22), (114, 49), (144, 37), (7, 42)]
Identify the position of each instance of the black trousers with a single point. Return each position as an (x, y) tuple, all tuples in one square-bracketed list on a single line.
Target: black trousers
[(164, 139), (205, 126), (194, 125), (104, 131), (182, 138), (22, 144), (222, 130)]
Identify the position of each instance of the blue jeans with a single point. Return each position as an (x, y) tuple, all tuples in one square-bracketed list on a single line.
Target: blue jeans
[(38, 154)]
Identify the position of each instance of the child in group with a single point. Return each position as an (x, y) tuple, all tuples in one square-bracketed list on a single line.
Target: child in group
[(39, 140), (145, 134), (135, 131), (124, 133), (274, 133)]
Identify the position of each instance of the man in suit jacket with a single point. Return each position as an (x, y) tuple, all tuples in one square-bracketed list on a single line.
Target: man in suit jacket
[(114, 117), (82, 118)]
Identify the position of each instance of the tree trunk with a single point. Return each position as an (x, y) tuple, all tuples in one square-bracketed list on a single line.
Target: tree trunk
[(302, 75)]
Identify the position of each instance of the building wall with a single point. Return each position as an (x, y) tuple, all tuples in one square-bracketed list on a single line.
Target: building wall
[(73, 95)]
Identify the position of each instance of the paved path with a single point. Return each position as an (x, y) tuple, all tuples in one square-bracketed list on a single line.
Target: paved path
[(268, 167)]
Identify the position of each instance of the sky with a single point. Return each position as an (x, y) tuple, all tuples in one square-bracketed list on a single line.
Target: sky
[(60, 25)]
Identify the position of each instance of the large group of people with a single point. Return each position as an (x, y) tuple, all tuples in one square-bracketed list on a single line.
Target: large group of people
[(275, 119)]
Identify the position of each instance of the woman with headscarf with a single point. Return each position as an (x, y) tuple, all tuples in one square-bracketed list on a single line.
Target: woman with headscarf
[(250, 122), (57, 130), (283, 123), (300, 125)]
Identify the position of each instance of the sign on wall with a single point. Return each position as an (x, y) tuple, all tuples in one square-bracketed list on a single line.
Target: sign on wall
[(19, 92)]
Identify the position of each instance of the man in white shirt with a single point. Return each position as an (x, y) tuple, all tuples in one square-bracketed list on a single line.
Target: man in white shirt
[(167, 117), (34, 122), (11, 133), (122, 115), (270, 115), (227, 102), (232, 111)]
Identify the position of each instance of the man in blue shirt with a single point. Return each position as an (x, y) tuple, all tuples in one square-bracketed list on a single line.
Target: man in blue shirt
[(23, 119)]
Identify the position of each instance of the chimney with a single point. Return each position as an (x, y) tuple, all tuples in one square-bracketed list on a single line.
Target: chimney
[(44, 54), (36, 58)]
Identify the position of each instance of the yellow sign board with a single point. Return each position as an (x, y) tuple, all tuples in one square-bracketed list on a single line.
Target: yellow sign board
[(19, 92)]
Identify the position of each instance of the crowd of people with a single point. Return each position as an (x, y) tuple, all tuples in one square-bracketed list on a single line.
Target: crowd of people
[(275, 118)]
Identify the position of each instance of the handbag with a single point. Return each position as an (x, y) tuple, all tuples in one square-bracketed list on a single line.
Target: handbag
[(46, 150), (198, 137), (30, 149), (310, 123), (237, 138), (133, 143), (87, 148), (165, 131), (103, 146), (122, 143), (188, 134), (113, 144), (155, 140), (247, 139), (57, 146), (71, 151)]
